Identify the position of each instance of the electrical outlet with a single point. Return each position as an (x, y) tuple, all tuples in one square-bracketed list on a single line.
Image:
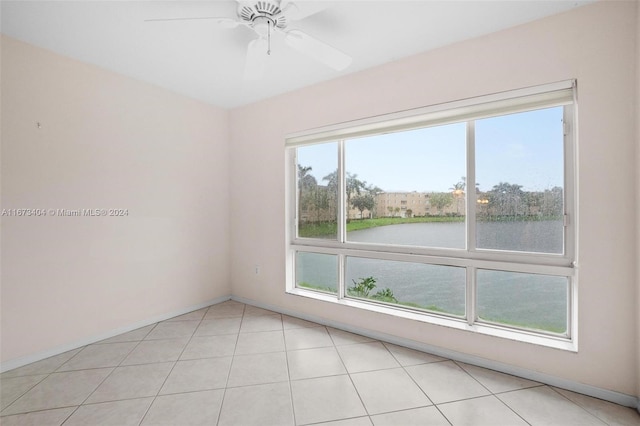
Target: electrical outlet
[(256, 269)]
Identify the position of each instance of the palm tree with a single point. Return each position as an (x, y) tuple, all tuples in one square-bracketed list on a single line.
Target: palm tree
[(458, 191)]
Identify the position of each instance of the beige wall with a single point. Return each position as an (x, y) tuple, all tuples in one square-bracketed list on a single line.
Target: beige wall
[(637, 256), (106, 141), (596, 45)]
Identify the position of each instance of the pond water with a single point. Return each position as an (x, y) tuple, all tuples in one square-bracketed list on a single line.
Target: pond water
[(534, 301), (545, 236)]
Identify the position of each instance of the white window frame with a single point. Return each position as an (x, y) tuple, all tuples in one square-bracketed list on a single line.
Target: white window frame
[(545, 96)]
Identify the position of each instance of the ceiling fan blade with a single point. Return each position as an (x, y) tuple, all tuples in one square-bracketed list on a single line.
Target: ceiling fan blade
[(300, 10), (225, 22), (317, 50), (256, 59)]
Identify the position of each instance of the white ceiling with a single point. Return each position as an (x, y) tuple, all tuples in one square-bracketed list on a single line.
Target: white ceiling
[(203, 60)]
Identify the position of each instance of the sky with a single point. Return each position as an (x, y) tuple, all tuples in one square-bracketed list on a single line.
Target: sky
[(524, 149)]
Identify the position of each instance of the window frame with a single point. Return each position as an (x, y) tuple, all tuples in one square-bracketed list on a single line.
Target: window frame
[(470, 257)]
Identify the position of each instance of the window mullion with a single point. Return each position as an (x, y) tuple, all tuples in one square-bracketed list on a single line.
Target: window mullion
[(471, 187), (342, 196), (569, 182), (471, 295), (342, 218), (342, 290), (471, 220)]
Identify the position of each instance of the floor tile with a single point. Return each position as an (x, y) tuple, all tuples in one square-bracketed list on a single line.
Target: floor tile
[(45, 366), (293, 322), (131, 336), (606, 411), (416, 417), (136, 381), (261, 323), (307, 338), (484, 411), (225, 310), (542, 405), (325, 399), (38, 418), (154, 351), (407, 357), (341, 337), (356, 421), (497, 382), (445, 382), (193, 408), (240, 365), (216, 327), (13, 388), (198, 375), (388, 390), (366, 357), (118, 413), (99, 356), (317, 362), (210, 346), (263, 342), (258, 369), (173, 330), (59, 390), (191, 316), (261, 405)]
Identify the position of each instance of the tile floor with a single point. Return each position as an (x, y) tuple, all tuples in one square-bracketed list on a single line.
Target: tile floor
[(235, 364)]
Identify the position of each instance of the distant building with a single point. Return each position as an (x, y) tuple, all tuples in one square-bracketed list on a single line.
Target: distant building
[(411, 204)]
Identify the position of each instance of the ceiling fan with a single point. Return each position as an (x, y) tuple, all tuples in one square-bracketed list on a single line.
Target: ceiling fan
[(267, 17)]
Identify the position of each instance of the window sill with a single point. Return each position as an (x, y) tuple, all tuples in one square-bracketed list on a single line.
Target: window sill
[(451, 322)]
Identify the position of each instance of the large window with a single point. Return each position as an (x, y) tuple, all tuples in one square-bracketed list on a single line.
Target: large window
[(459, 214)]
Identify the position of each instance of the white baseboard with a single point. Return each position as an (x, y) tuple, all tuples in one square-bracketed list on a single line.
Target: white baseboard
[(19, 362), (607, 395)]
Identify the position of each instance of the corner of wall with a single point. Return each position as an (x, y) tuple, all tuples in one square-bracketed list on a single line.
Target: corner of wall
[(637, 192)]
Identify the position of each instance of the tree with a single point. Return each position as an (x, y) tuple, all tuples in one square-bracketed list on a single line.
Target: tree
[(353, 184), (306, 186), (458, 187), (363, 202), (396, 210), (552, 202), (507, 199), (374, 191), (321, 203), (390, 209), (440, 200)]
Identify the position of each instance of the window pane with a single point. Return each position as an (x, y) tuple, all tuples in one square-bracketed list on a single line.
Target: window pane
[(317, 271), (407, 188), (520, 170), (531, 301), (412, 285), (317, 191)]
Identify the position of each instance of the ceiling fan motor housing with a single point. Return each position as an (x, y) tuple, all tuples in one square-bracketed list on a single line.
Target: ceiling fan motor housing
[(261, 12)]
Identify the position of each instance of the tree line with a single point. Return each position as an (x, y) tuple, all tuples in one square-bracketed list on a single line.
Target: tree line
[(317, 201)]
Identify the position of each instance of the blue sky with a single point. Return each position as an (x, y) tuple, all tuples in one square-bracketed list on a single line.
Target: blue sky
[(524, 149)]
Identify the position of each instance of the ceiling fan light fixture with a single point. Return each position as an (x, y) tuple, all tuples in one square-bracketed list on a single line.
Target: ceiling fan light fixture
[(262, 26)]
